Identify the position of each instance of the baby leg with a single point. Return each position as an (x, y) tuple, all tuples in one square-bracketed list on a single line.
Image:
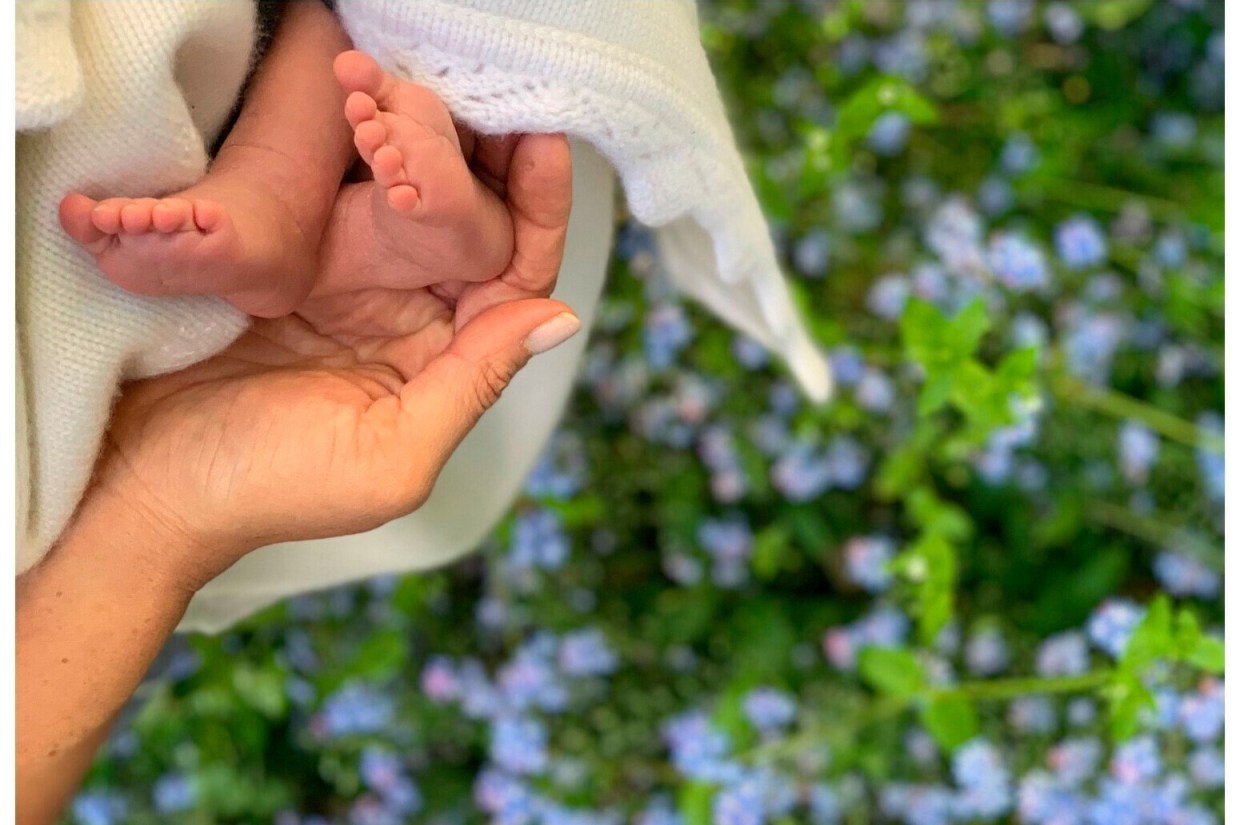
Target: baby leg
[(428, 214), (250, 229)]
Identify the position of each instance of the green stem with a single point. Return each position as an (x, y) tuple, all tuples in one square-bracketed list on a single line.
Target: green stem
[(1108, 198), (884, 708), (1118, 405), (1155, 532), (1012, 688)]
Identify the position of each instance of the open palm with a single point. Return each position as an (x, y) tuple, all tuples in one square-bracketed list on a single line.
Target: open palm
[(339, 417)]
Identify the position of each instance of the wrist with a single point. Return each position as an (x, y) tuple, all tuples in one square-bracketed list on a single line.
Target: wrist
[(129, 524)]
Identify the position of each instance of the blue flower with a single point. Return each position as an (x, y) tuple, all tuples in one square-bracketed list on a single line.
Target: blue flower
[(173, 792), (812, 254), (1075, 760), (658, 812), (99, 808), (917, 804), (509, 799), (1010, 17), (1043, 800), (1183, 575), (986, 653), (888, 296), (889, 134), (983, 779), (866, 559), (954, 233), (538, 541), (847, 365), (370, 810), (1019, 154), (749, 353), (1017, 263), (1174, 130), (1112, 623), (1080, 243), (560, 470), (519, 744), (1064, 654), (875, 391), (1032, 714), (729, 541), (353, 710), (903, 54), (1091, 342), (1200, 714), (1206, 768), (1211, 463), (768, 709), (1063, 23), (665, 334), (529, 679), (1136, 762), (995, 195), (586, 653), (857, 207), (824, 805), (699, 751), (1138, 450), (802, 472)]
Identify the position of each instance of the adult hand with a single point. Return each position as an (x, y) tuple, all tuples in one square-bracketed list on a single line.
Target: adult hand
[(339, 417)]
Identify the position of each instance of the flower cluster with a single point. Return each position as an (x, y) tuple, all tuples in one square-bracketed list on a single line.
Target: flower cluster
[(933, 601)]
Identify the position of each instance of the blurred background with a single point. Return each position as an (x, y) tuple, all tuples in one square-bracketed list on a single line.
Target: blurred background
[(983, 585)]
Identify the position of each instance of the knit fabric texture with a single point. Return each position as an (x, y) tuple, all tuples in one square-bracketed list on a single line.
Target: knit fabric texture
[(114, 98)]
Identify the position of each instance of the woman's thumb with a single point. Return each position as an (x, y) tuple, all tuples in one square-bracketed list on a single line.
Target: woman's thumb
[(444, 401)]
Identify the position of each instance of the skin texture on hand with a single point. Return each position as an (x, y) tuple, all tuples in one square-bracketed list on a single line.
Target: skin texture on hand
[(337, 418), (329, 421)]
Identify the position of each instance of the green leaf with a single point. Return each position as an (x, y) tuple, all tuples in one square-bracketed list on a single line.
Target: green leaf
[(857, 114), (694, 803), (1113, 15), (1208, 654), (943, 347), (1152, 639), (771, 549), (382, 655), (934, 515), (1187, 630), (1128, 697), (951, 720), (935, 393), (261, 689), (892, 671), (968, 327)]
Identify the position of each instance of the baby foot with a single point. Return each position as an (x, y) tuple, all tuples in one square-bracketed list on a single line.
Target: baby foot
[(182, 245), (429, 209)]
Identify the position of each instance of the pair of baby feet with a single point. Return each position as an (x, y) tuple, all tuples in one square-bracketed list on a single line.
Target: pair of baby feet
[(225, 235)]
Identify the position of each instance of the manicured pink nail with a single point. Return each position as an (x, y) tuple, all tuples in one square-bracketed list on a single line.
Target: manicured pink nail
[(552, 333)]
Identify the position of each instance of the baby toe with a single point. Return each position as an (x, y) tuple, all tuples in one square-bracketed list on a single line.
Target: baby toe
[(106, 216), (387, 166), (368, 137), (359, 107), (404, 199), (136, 216), (172, 215)]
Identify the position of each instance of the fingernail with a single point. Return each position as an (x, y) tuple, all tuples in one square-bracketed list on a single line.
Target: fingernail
[(552, 333)]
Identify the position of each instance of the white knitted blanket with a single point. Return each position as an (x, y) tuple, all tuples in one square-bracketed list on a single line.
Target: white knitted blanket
[(117, 97)]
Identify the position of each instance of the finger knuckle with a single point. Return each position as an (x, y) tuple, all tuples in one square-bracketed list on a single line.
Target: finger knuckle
[(490, 383)]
